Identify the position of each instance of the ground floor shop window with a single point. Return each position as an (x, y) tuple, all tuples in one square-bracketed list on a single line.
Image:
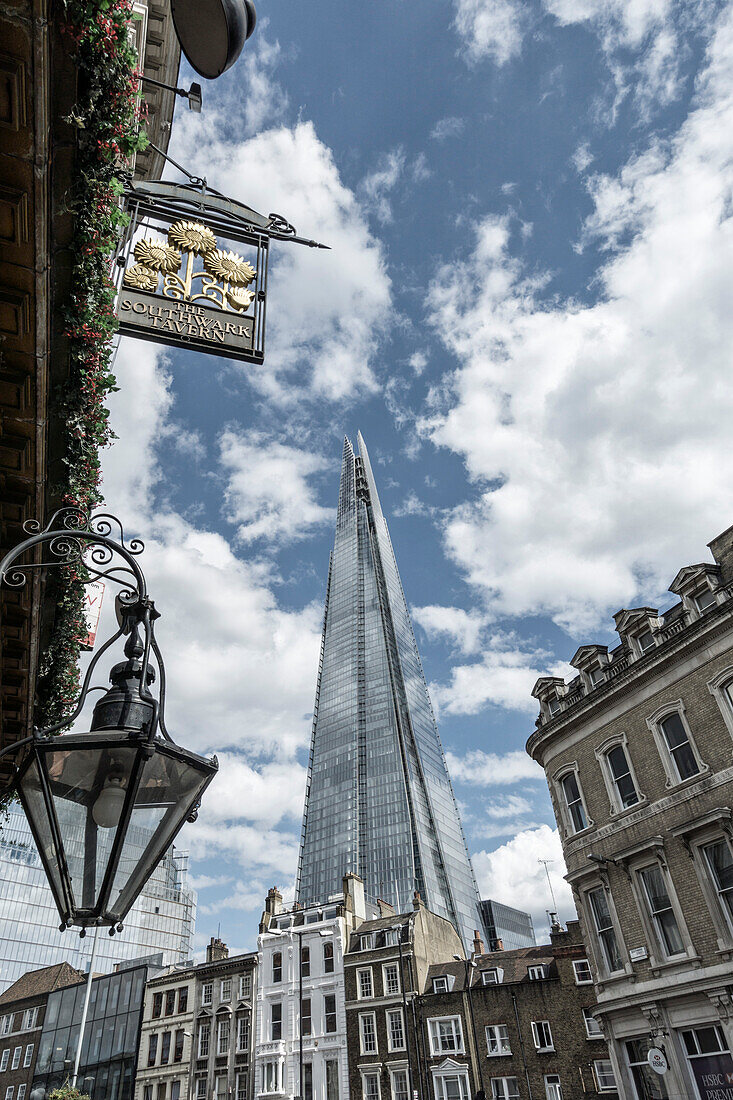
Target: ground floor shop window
[(711, 1065), (648, 1084)]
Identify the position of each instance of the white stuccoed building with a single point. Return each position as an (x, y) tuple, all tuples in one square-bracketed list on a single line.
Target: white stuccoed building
[(300, 1048)]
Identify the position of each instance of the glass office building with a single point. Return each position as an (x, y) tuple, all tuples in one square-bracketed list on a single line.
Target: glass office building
[(111, 1036), (162, 919), (513, 927), (379, 800)]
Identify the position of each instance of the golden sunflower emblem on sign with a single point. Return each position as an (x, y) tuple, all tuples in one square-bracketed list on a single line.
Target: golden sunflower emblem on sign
[(192, 237), (157, 255), (230, 267), (141, 277)]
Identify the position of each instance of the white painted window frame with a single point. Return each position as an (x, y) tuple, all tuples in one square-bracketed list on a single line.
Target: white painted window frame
[(618, 740), (654, 724), (571, 768)]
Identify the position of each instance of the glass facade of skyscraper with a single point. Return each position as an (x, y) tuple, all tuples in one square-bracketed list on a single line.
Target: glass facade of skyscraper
[(512, 926), (162, 919), (379, 800)]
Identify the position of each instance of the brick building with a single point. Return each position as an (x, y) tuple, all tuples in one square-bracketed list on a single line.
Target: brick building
[(637, 753), (197, 1032), (514, 1024), (425, 1022), (385, 968), (22, 1012)]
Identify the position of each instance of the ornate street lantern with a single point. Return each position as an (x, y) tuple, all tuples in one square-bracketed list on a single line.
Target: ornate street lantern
[(105, 806)]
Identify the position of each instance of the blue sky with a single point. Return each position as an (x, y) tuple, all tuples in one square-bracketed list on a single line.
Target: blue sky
[(525, 309)]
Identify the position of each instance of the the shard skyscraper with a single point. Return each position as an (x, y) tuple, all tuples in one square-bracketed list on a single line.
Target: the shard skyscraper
[(379, 799)]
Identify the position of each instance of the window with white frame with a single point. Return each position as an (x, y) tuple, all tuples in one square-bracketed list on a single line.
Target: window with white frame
[(329, 1012), (277, 966), (364, 983), (719, 862), (226, 989), (536, 973), (678, 748), (446, 1035), (332, 1079), (204, 1039), (207, 991), (391, 979), (272, 1075), (368, 1032), (16, 1057), (605, 931), (623, 786), (245, 987), (200, 1088), (604, 1075), (366, 942), (243, 1032), (440, 984), (497, 1040), (596, 675), (9, 1092), (276, 1021), (701, 1042), (491, 976), (328, 958), (592, 1027), (222, 1035), (645, 641), (576, 815), (661, 912), (504, 1088), (542, 1035), (6, 1024), (21, 1091), (370, 1087), (704, 599), (30, 1016), (391, 937), (582, 971), (398, 1083), (395, 1029), (553, 1088), (306, 1018), (4, 1059), (242, 1086), (451, 1085), (28, 1056)]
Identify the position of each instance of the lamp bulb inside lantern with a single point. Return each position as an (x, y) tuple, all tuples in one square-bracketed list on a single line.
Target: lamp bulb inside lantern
[(107, 810)]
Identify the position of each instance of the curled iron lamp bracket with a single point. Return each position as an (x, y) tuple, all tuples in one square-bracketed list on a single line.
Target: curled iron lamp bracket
[(96, 545)]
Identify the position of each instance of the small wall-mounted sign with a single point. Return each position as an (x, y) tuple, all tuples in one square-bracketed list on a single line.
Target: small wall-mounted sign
[(657, 1061), (93, 594), (636, 954)]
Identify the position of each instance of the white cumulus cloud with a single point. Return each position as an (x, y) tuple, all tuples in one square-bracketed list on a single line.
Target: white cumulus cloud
[(597, 435), (513, 874), (490, 769)]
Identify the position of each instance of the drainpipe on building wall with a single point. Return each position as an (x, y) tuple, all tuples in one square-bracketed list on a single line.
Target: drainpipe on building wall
[(521, 1045), (478, 1078)]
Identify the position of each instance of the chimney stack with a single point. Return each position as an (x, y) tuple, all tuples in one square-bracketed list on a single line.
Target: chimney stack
[(217, 950), (478, 943), (354, 899)]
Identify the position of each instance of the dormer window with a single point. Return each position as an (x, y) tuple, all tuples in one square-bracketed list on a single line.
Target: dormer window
[(554, 705), (440, 984), (493, 976), (704, 599), (596, 676), (536, 973), (645, 642)]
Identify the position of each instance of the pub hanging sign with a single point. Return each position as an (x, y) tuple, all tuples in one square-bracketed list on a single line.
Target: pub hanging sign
[(189, 288)]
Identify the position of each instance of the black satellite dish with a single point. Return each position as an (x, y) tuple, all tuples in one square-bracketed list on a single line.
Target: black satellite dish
[(212, 33)]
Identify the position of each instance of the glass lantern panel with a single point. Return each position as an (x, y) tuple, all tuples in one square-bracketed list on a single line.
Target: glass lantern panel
[(34, 805), (82, 782), (168, 790)]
